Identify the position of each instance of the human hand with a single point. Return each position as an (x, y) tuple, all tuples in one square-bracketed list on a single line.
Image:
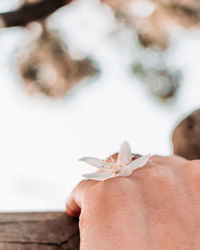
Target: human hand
[(156, 207)]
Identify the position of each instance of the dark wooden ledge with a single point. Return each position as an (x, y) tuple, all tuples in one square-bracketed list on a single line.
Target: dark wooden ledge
[(38, 231)]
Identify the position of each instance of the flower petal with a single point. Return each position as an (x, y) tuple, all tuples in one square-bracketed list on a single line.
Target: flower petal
[(140, 162), (98, 163), (125, 172), (125, 154), (99, 176)]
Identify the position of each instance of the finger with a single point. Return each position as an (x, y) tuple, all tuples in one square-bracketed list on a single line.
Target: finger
[(75, 200)]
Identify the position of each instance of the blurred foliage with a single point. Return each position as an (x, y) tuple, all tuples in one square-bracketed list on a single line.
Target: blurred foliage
[(154, 20), (163, 83), (46, 66)]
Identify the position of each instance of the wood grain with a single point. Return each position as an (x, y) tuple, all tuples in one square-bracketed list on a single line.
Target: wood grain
[(38, 231)]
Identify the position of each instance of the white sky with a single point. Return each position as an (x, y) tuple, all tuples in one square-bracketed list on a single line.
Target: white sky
[(41, 139)]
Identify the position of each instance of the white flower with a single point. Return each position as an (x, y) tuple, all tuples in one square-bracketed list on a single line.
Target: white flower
[(123, 166)]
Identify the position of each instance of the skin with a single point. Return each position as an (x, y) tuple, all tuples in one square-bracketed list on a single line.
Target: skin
[(157, 207)]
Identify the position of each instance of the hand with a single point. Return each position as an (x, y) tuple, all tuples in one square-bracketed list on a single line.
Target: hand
[(155, 208)]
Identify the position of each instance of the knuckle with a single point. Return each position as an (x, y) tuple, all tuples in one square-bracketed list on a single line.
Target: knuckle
[(192, 168), (113, 185), (88, 189), (114, 188), (180, 158), (155, 157), (169, 160), (161, 175), (193, 164), (192, 171)]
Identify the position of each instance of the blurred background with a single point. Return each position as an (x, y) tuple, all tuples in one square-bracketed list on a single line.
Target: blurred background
[(77, 78)]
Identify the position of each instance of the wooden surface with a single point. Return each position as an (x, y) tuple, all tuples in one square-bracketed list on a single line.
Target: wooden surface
[(186, 137), (38, 231)]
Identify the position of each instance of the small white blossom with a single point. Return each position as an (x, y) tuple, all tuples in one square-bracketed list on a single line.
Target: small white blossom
[(123, 166)]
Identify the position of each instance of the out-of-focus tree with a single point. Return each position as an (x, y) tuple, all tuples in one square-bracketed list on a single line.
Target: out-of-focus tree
[(163, 82), (153, 21), (45, 64)]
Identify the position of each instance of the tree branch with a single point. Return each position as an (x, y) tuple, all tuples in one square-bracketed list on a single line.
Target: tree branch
[(30, 12)]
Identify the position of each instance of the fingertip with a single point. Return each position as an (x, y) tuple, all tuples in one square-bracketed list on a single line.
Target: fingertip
[(73, 204), (72, 211)]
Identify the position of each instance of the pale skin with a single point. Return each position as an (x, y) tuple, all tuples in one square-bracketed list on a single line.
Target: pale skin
[(157, 207)]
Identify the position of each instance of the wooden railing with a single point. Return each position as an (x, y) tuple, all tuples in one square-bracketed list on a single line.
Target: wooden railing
[(38, 231)]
